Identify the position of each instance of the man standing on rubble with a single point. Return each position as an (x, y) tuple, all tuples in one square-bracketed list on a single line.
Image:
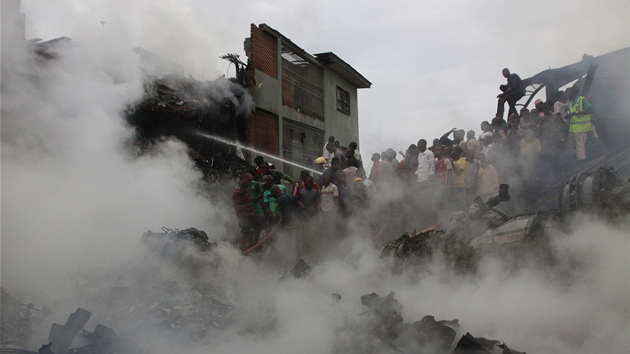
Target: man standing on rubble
[(244, 208), (513, 91), (286, 207), (426, 165), (579, 124)]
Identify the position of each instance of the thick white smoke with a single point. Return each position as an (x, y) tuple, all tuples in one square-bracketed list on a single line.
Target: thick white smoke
[(580, 305), (75, 201), (73, 193)]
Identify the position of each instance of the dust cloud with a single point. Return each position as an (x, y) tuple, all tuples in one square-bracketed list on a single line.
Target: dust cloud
[(73, 194), (75, 201)]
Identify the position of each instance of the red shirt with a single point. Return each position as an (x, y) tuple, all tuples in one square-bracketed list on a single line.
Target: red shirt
[(259, 170), (441, 172), (242, 203)]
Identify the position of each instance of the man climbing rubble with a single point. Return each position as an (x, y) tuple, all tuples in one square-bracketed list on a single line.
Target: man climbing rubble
[(513, 91)]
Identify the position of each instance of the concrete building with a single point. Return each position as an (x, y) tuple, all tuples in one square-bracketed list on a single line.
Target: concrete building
[(300, 98)]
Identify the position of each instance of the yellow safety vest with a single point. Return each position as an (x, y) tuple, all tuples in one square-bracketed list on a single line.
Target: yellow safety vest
[(579, 123)]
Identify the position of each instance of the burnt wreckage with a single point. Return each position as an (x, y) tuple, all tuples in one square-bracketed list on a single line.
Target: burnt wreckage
[(179, 107), (486, 229)]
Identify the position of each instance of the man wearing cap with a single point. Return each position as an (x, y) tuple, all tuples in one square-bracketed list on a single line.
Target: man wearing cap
[(513, 91), (321, 165)]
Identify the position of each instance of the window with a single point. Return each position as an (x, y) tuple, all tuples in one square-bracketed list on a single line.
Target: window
[(300, 143), (302, 85), (343, 100)]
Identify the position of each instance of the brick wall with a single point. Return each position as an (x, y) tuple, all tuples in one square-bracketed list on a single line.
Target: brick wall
[(263, 53), (263, 131)]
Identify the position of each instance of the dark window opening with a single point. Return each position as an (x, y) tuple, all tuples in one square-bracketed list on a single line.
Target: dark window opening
[(343, 100)]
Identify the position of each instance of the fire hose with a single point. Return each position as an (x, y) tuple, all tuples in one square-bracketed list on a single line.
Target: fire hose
[(265, 239)]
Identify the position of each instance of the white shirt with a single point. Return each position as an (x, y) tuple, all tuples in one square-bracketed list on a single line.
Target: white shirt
[(484, 135), (426, 165)]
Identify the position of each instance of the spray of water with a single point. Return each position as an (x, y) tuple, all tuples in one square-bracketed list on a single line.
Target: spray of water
[(238, 146)]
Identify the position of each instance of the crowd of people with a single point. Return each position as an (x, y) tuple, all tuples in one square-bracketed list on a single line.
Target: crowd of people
[(531, 148)]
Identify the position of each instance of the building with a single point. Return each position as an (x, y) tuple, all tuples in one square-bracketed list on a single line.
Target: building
[(300, 98)]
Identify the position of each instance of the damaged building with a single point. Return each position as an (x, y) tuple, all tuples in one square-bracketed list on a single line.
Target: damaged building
[(300, 98)]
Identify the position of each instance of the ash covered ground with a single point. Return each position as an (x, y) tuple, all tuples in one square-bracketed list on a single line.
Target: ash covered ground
[(76, 202)]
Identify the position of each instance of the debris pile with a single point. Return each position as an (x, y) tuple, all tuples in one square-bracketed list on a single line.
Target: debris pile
[(301, 269), (165, 241), (18, 319), (179, 107), (424, 336), (471, 345), (161, 294), (387, 325), (71, 338), (144, 297), (487, 230)]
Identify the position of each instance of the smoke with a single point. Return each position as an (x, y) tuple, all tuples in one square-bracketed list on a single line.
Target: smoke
[(75, 202), (74, 196), (579, 305)]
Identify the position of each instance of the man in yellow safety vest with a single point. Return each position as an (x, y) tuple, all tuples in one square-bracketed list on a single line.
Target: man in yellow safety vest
[(579, 124)]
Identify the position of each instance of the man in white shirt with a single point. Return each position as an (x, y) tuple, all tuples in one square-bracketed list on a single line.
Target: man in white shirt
[(426, 164)]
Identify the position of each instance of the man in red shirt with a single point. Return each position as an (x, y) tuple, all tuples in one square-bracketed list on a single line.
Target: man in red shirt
[(260, 163)]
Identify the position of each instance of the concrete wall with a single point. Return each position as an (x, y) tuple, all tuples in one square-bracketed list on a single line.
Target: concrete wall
[(345, 128), (267, 92)]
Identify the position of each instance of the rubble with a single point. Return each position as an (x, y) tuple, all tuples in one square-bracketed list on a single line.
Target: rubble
[(164, 241), (388, 326), (487, 230), (139, 299), (71, 338), (424, 336), (301, 269), (61, 337), (142, 298), (17, 322), (471, 345), (179, 107)]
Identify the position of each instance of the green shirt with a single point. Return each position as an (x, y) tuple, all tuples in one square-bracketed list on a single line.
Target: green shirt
[(256, 194), (270, 200)]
